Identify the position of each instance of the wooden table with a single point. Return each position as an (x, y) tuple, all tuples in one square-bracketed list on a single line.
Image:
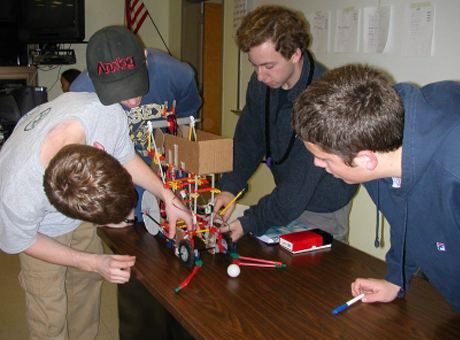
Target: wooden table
[(291, 303)]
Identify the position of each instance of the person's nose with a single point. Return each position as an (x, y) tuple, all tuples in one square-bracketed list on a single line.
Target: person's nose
[(261, 75)]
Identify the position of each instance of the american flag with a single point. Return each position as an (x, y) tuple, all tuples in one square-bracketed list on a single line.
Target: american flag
[(136, 13)]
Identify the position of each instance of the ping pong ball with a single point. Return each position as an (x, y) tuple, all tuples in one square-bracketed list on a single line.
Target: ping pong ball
[(233, 270)]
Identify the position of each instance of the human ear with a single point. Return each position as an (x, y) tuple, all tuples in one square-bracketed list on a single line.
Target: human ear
[(98, 145), (367, 159), (296, 56)]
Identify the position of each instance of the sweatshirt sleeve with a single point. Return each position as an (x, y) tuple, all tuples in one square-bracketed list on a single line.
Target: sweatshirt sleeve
[(400, 267), (286, 202), (396, 259)]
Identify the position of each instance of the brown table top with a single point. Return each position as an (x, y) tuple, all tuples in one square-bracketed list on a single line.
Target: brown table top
[(291, 303)]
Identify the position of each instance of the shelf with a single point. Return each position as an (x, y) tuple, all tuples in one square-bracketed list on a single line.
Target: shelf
[(20, 72)]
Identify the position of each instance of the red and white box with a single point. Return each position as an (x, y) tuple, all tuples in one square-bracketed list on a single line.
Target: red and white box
[(307, 240)]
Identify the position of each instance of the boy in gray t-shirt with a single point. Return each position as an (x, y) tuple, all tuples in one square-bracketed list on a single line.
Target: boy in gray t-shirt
[(61, 257)]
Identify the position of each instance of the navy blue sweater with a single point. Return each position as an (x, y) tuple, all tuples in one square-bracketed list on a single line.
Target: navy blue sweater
[(424, 213), (299, 184)]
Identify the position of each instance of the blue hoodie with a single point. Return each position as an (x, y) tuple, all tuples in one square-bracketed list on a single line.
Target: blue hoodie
[(424, 213)]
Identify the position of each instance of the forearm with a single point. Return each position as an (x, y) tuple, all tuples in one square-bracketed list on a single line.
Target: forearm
[(49, 250), (114, 268), (146, 178), (282, 206)]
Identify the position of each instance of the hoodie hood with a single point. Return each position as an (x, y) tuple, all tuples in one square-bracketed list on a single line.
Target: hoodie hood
[(430, 115)]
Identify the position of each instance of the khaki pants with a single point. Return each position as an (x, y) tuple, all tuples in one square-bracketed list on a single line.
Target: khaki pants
[(63, 302), (335, 223)]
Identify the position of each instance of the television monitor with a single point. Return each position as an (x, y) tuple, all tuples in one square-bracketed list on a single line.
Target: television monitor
[(12, 53), (51, 21)]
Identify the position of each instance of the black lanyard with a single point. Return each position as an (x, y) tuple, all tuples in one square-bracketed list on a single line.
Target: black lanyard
[(269, 161)]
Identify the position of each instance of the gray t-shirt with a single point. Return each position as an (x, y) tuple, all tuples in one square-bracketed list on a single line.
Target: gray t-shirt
[(24, 207)]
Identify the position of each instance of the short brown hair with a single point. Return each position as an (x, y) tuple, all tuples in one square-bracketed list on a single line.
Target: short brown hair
[(88, 184), (349, 109), (285, 28)]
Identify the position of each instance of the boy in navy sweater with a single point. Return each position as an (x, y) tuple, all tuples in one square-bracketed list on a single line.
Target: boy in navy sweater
[(402, 143)]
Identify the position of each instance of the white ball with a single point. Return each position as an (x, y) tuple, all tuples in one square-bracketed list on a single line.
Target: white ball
[(233, 270)]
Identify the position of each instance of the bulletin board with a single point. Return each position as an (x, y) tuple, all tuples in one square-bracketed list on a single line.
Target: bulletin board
[(442, 62)]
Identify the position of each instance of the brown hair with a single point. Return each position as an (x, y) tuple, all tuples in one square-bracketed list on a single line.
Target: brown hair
[(88, 184), (349, 109), (285, 28)]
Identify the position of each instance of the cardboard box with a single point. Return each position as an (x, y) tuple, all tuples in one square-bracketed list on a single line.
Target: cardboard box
[(307, 240), (210, 154)]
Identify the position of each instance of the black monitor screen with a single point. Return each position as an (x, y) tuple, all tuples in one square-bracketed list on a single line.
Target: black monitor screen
[(51, 21), (48, 14)]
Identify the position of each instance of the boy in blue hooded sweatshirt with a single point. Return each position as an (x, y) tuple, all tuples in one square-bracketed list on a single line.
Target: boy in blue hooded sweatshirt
[(403, 143)]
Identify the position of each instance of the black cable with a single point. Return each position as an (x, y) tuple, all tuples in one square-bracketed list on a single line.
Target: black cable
[(154, 220), (269, 161), (158, 31)]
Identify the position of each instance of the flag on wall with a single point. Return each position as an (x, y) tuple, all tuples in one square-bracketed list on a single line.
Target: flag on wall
[(136, 13)]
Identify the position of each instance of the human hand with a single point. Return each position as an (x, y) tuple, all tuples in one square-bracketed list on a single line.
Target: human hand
[(235, 229), (114, 268), (176, 211), (222, 200), (375, 290)]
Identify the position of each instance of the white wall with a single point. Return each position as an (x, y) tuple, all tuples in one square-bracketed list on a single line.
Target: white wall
[(443, 64), (101, 13)]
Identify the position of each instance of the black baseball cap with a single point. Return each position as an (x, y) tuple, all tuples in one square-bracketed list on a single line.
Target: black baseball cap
[(116, 64)]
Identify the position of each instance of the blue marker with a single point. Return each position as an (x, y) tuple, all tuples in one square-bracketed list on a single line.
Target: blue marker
[(347, 304)]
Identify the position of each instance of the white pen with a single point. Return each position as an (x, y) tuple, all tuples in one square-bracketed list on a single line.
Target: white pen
[(347, 304)]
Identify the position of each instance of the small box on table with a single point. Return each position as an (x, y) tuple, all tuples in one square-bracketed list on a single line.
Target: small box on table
[(209, 154), (307, 240)]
